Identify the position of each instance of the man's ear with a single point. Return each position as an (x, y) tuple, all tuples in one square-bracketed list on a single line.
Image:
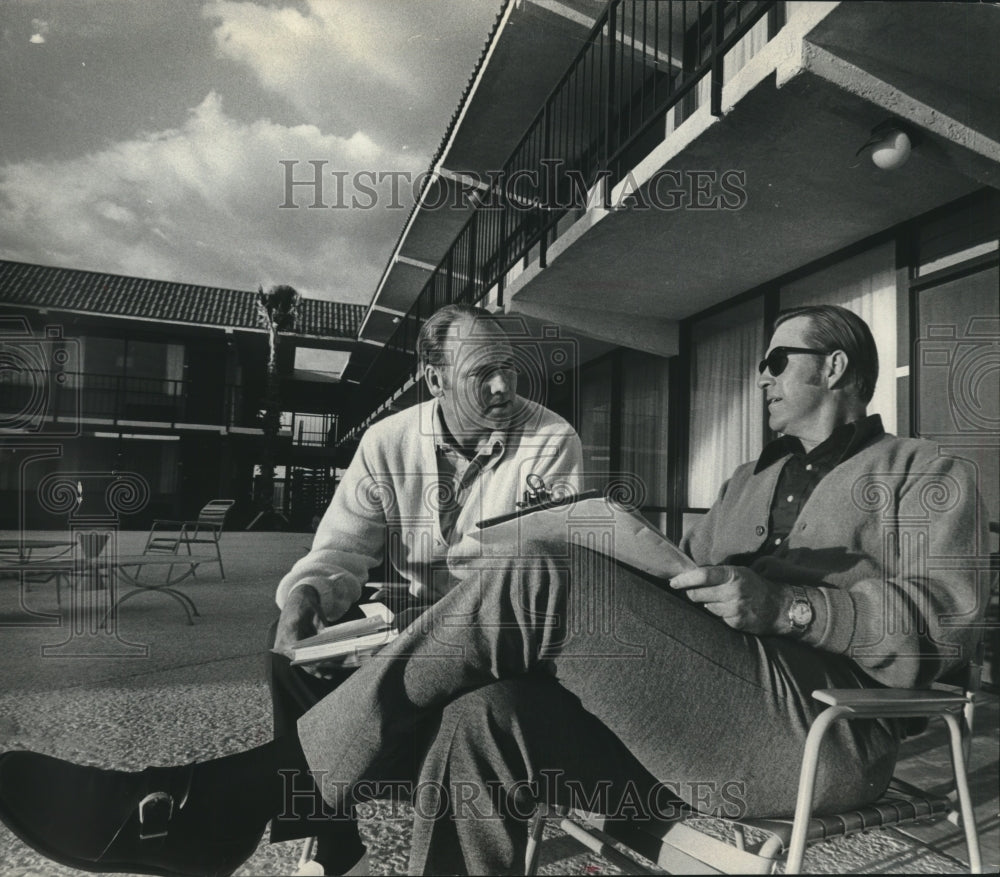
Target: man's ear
[(837, 369), (434, 379)]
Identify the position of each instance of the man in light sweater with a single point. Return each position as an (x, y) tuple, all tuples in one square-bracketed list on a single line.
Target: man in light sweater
[(842, 557), (416, 486)]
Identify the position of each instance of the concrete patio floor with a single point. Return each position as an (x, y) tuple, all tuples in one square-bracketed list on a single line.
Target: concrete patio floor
[(164, 692)]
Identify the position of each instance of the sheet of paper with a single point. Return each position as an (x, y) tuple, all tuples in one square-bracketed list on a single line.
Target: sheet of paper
[(597, 523)]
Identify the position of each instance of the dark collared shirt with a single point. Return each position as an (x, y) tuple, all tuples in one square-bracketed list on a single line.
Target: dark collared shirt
[(802, 471)]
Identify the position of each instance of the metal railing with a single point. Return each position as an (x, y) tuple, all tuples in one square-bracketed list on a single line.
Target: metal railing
[(314, 430), (642, 59), (30, 396)]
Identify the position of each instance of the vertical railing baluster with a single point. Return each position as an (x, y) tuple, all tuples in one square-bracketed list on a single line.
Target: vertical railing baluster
[(609, 143), (670, 51), (718, 56)]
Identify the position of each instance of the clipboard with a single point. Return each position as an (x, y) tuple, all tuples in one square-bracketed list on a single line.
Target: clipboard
[(538, 507), (636, 543)]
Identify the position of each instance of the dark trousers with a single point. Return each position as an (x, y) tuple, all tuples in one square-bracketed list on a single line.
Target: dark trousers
[(294, 692), (558, 664)]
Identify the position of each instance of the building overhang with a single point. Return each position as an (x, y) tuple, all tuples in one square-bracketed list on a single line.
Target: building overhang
[(533, 46), (794, 119)]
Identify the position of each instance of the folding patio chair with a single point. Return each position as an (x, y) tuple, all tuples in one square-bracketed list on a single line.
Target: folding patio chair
[(168, 536), (678, 848)]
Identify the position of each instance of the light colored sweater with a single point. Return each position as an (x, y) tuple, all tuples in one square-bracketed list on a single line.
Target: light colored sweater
[(892, 538), (385, 505)]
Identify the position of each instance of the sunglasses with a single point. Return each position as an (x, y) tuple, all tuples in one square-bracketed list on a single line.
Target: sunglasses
[(777, 359)]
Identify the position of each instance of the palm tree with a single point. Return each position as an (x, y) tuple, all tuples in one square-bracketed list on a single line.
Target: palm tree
[(276, 310)]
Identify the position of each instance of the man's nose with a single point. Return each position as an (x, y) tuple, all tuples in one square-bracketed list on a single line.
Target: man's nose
[(498, 383), (765, 379)]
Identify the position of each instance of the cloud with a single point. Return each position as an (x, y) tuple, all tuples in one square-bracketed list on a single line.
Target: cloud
[(393, 69), (281, 44), (200, 204)]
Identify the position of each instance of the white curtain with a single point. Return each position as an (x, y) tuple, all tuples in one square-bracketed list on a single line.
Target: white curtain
[(866, 285), (727, 414)]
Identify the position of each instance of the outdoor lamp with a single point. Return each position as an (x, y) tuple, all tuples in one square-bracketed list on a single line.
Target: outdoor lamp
[(890, 145)]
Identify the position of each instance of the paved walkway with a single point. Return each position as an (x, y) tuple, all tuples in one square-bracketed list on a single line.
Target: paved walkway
[(164, 692)]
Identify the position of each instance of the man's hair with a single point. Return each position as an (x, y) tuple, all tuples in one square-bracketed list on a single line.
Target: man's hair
[(832, 327), (430, 341)]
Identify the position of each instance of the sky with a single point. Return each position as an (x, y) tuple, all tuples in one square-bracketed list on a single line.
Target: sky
[(146, 137)]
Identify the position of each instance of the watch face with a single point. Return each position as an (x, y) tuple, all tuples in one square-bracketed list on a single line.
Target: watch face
[(800, 613)]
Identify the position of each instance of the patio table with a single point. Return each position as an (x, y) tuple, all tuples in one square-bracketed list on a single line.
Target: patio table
[(143, 561), (25, 547), (18, 555), (121, 565)]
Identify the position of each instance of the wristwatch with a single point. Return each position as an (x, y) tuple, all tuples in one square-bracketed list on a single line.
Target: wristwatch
[(800, 613)]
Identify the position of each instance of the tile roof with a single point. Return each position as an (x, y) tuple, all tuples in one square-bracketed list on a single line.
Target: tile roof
[(120, 296)]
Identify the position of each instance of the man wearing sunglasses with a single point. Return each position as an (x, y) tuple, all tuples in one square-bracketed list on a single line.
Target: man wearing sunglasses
[(841, 557)]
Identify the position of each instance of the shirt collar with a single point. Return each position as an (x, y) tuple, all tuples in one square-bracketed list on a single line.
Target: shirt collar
[(844, 442), (491, 446)]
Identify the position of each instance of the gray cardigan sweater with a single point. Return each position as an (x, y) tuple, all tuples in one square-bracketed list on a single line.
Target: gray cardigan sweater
[(894, 538)]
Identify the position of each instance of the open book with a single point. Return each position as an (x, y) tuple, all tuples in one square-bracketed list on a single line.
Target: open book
[(595, 522), (348, 641)]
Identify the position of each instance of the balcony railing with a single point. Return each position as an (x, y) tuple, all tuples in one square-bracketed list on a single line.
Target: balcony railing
[(28, 397), (310, 430), (642, 59)]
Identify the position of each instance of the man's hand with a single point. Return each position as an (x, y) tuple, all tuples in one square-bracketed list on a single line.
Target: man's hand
[(739, 596), (301, 616)]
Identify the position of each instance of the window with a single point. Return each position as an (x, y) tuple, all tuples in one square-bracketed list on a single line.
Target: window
[(959, 235), (957, 380), (727, 410)]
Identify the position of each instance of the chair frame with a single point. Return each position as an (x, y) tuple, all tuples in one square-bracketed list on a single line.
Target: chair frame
[(168, 536), (682, 849)]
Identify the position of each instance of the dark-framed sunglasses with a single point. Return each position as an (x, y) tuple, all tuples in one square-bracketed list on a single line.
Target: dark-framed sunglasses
[(777, 359)]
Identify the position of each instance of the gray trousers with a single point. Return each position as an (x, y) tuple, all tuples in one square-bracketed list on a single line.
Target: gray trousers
[(560, 675)]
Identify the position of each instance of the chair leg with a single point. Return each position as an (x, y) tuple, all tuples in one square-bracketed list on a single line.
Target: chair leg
[(218, 554), (308, 850), (194, 569), (535, 840), (964, 797), (807, 785)]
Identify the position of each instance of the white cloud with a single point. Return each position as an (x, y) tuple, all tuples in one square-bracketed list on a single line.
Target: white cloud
[(284, 47), (200, 204), (393, 69)]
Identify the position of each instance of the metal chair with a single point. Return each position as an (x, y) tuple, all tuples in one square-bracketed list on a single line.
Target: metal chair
[(679, 848), (168, 536)]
